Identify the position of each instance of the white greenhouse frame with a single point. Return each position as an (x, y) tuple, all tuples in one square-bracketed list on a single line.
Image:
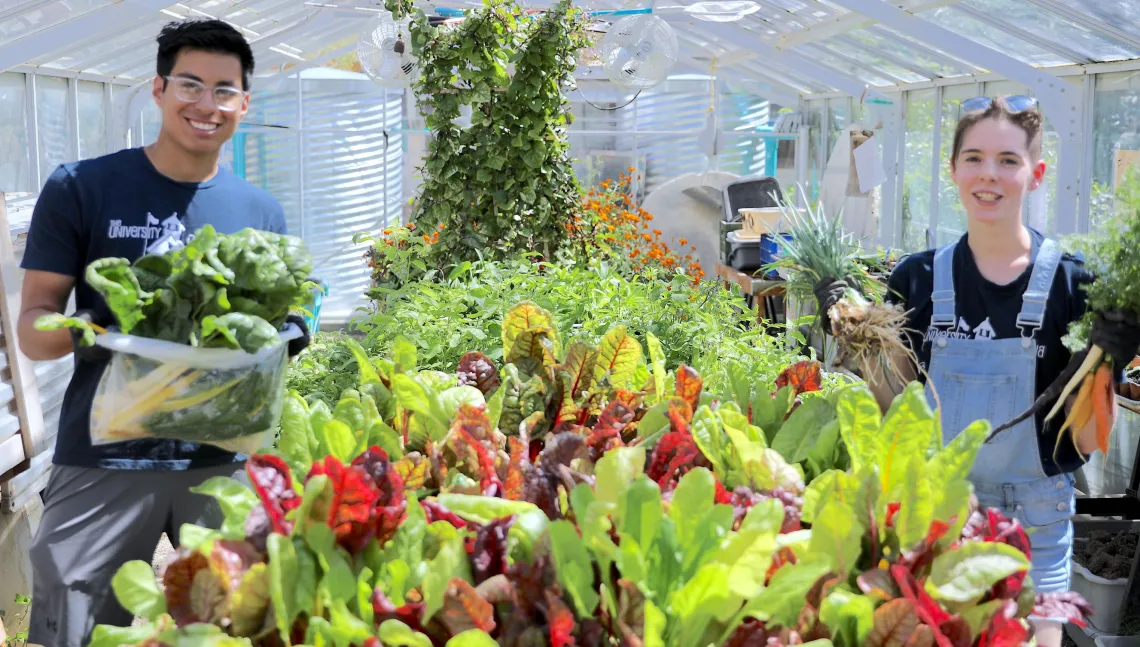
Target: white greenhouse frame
[(810, 52)]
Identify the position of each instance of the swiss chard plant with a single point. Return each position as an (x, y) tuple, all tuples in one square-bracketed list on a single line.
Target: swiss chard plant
[(901, 556)]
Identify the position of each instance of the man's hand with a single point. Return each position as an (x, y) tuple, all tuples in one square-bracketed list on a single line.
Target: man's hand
[(1118, 334), (301, 343), (828, 292), (92, 353), (44, 293)]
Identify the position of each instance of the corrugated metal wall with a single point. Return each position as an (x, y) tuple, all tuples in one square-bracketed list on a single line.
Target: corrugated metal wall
[(349, 180)]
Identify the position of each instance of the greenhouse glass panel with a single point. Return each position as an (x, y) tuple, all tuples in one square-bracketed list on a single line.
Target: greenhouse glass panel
[(951, 215), (92, 120), (877, 63), (837, 121), (863, 75), (992, 37), (815, 120), (1116, 139), (15, 172), (94, 57), (919, 151), (781, 23), (55, 129), (45, 15), (893, 39), (900, 48), (1122, 14), (1054, 28)]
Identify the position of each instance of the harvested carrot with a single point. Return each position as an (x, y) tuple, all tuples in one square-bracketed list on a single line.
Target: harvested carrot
[(1102, 402), (1079, 415)]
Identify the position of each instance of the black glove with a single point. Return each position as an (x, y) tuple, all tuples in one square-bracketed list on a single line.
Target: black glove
[(93, 353), (301, 343), (827, 292), (1118, 333)]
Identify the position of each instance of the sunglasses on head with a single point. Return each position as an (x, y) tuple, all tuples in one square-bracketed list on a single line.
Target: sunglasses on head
[(1015, 104)]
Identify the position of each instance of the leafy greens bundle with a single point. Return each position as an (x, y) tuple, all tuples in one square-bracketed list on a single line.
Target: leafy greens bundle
[(219, 291)]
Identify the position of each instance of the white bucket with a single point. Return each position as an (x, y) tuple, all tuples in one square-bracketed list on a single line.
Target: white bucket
[(1105, 596)]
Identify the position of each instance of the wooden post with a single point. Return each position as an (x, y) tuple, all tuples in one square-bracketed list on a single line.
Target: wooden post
[(26, 392)]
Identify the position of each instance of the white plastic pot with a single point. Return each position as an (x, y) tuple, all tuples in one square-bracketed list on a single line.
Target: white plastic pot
[(1105, 596)]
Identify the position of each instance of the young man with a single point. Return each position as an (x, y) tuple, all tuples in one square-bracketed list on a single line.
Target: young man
[(109, 504)]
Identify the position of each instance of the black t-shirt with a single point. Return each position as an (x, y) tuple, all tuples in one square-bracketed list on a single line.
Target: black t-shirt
[(119, 205), (987, 310)]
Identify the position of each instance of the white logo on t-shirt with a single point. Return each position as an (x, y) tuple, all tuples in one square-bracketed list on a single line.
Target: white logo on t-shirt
[(157, 236), (985, 330)]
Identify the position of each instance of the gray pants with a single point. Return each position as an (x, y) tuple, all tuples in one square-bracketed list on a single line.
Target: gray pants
[(94, 521)]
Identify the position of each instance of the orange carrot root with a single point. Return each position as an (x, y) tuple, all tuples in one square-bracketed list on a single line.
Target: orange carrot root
[(1103, 399)]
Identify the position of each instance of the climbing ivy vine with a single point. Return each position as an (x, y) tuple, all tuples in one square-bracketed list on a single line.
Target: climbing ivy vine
[(505, 182)]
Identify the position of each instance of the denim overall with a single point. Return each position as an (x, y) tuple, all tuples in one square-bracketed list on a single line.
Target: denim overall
[(995, 379)]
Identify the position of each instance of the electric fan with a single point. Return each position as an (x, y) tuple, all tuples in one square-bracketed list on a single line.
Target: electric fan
[(385, 52), (638, 51)]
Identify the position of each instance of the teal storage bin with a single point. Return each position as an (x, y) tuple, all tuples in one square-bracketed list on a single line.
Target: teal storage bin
[(313, 321)]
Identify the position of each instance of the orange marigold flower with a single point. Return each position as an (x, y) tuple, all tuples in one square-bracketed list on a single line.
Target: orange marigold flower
[(412, 226), (683, 241)]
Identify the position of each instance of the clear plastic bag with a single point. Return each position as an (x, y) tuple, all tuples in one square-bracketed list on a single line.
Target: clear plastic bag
[(160, 389)]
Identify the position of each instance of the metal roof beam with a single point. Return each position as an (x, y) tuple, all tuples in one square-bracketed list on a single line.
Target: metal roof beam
[(828, 76), (1059, 100), (848, 23), (74, 33)]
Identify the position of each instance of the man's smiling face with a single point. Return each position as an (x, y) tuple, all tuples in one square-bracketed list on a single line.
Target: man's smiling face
[(202, 126)]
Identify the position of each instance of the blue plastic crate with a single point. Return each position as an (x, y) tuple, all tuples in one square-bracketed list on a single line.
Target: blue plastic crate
[(770, 247)]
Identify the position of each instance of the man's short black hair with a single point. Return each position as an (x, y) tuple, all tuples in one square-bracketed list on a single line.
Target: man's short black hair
[(206, 35)]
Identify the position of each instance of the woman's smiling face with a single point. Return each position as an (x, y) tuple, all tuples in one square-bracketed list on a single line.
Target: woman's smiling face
[(994, 170)]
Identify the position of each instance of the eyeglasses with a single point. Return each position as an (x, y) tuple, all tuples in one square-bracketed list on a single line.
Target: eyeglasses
[(226, 98), (1015, 103)]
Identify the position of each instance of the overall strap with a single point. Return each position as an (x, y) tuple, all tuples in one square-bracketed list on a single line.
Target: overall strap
[(1033, 302), (943, 295)]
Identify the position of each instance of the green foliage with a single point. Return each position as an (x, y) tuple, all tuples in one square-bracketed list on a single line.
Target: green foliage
[(705, 327), (324, 370), (505, 182), (18, 635), (1110, 255)]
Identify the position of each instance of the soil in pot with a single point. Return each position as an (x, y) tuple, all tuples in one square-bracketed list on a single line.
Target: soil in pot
[(1107, 554)]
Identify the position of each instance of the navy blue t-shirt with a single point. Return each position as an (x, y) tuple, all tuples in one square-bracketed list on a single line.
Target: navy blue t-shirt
[(119, 205)]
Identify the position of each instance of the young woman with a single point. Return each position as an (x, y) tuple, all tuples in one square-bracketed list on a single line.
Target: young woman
[(990, 310)]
